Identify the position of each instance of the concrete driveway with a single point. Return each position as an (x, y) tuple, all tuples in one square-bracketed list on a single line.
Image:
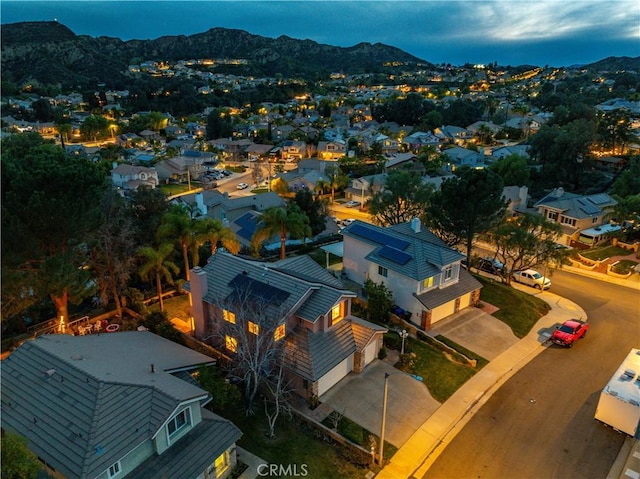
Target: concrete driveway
[(477, 331), (359, 397)]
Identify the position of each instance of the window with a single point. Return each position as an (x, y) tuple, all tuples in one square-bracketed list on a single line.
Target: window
[(427, 283), (337, 313), (382, 271), (178, 422), (231, 343), (253, 328), (567, 221), (448, 273), (552, 215), (229, 316), (114, 469), (594, 220), (222, 463), (280, 332)]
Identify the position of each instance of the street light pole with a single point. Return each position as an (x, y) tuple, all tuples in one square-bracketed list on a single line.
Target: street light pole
[(403, 335)]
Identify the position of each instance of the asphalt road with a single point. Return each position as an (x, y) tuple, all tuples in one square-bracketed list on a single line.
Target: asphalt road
[(540, 424)]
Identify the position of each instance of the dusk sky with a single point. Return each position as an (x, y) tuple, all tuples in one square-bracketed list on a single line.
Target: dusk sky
[(544, 32)]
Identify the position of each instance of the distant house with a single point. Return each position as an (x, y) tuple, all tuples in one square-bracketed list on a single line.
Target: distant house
[(220, 206), (574, 212), (331, 150), (362, 189), (294, 150), (458, 157), (181, 168), (423, 273), (403, 161), (115, 405), (453, 134), (130, 178), (518, 198), (295, 301)]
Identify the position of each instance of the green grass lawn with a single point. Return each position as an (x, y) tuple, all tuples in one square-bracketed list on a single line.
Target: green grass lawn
[(599, 254), (175, 307), (294, 443), (175, 189), (624, 266), (519, 310)]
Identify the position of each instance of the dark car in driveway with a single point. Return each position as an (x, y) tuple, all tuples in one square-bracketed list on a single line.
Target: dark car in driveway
[(490, 265), (570, 331)]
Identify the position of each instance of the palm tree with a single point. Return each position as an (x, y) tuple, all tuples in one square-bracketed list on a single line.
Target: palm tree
[(281, 221), (336, 179), (321, 186), (178, 225), (212, 231), (157, 265)]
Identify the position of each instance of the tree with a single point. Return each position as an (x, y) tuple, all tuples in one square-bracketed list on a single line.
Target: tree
[(50, 210), (178, 225), (467, 204), (18, 462), (94, 126), (277, 397), (336, 179), (313, 208), (147, 206), (513, 170), (404, 197), (628, 182), (379, 301), (114, 250), (218, 125), (222, 392), (209, 230), (290, 221), (157, 265), (527, 241)]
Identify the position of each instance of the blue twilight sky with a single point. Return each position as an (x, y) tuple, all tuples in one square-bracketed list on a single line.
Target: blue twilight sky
[(543, 32)]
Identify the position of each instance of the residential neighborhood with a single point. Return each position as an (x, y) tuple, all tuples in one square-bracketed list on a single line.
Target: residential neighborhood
[(300, 274)]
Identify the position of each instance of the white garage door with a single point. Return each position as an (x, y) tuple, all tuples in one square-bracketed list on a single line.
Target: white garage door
[(370, 352), (336, 374)]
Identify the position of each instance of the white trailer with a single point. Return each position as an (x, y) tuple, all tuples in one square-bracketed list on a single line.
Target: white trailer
[(619, 403)]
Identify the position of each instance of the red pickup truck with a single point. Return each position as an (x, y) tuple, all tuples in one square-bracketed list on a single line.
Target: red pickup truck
[(570, 330)]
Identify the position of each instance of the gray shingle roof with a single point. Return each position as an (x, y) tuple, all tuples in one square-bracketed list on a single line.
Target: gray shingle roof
[(437, 297), (427, 254), (319, 297), (83, 402), (193, 453)]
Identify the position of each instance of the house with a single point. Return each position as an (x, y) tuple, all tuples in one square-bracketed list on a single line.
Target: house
[(129, 178), (331, 150), (575, 212), (115, 405), (308, 181), (281, 132), (181, 168), (518, 198), (294, 150), (458, 157), (403, 161), (419, 139), (219, 206), (423, 273), (362, 189), (293, 300), (453, 134)]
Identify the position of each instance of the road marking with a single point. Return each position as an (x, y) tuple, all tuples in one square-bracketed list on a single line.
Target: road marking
[(631, 473)]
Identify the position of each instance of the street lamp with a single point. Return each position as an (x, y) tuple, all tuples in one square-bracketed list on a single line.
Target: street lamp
[(403, 334), (384, 409)]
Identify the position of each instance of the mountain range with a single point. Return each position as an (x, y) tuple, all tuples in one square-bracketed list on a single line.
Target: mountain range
[(51, 53)]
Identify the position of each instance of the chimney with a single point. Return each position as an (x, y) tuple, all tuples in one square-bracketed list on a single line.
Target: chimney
[(523, 194), (153, 368), (200, 204), (199, 288), (415, 225)]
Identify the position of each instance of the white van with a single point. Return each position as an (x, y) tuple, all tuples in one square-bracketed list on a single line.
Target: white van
[(532, 278)]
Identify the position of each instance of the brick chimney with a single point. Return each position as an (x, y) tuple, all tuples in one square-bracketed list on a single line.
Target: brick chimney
[(199, 287)]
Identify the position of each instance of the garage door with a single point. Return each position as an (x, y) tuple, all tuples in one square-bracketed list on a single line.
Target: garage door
[(465, 301), (336, 374), (443, 311), (370, 352)]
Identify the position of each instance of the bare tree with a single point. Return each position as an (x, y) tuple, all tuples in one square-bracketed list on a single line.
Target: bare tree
[(276, 399), (252, 332)]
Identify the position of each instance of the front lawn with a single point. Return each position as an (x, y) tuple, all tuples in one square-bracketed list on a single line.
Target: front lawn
[(172, 189), (624, 266), (295, 443), (599, 254), (519, 310)]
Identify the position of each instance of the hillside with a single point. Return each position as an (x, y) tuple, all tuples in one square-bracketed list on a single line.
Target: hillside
[(52, 54)]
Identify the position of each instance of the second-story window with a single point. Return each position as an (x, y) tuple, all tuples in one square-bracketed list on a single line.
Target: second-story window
[(382, 271), (447, 274), (229, 316), (337, 313), (231, 343), (279, 332), (253, 328), (427, 283), (178, 422)]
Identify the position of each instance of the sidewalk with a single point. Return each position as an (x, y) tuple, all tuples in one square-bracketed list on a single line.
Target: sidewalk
[(415, 457)]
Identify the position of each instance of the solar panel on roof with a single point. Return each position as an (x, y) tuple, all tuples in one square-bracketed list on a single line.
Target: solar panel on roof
[(599, 199), (257, 290), (395, 255), (588, 208), (378, 237)]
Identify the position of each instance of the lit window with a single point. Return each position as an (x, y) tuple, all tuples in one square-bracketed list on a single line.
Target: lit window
[(337, 313), (114, 469), (178, 422), (383, 271), (231, 343), (253, 328), (229, 316), (427, 283), (279, 333), (222, 463)]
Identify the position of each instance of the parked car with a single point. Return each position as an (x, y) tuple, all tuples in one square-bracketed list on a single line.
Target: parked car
[(352, 204), (242, 186), (490, 265), (532, 278), (569, 332), (347, 222)]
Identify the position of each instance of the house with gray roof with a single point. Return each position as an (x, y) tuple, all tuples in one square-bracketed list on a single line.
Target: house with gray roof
[(575, 213), (294, 305), (130, 178), (221, 206), (423, 273), (116, 405)]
